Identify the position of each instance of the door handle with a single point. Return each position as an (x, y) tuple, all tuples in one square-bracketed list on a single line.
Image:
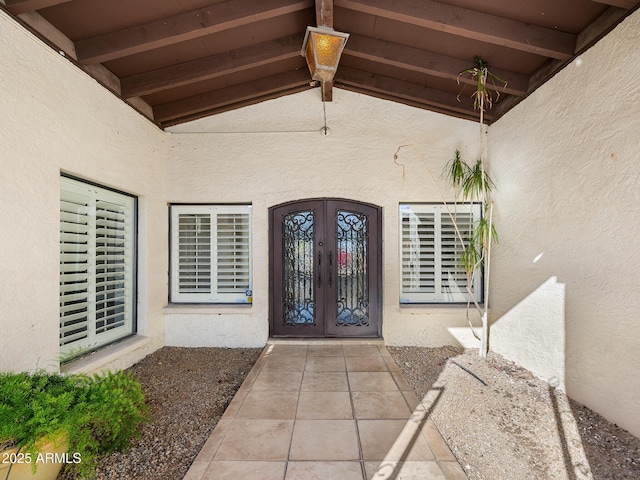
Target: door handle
[(330, 266), (319, 269)]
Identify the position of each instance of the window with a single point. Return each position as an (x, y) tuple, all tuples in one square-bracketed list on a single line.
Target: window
[(97, 266), (211, 254), (430, 253)]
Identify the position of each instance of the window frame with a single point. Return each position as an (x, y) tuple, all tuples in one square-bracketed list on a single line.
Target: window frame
[(95, 293), (213, 297), (452, 294)]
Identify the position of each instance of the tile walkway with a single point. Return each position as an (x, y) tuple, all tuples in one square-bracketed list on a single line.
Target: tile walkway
[(325, 410)]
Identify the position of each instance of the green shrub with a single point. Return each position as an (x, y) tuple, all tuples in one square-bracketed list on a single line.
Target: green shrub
[(99, 414)]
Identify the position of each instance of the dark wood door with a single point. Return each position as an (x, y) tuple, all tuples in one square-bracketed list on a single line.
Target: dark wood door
[(325, 269)]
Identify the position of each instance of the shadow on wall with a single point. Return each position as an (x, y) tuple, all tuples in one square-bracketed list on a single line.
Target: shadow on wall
[(533, 333)]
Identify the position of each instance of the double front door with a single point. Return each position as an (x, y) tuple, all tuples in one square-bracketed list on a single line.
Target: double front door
[(325, 269)]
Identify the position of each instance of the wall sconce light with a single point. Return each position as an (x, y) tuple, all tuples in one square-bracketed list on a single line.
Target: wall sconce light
[(322, 47)]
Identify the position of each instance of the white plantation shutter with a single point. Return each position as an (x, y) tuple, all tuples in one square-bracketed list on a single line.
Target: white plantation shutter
[(97, 259), (211, 254), (431, 251)]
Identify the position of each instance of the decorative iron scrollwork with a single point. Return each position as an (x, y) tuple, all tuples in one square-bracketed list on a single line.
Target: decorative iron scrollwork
[(298, 269), (352, 242)]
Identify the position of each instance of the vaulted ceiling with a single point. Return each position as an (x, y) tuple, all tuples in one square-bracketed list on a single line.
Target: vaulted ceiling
[(178, 60)]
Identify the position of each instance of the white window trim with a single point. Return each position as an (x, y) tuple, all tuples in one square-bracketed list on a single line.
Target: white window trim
[(214, 294), (451, 292), (80, 289)]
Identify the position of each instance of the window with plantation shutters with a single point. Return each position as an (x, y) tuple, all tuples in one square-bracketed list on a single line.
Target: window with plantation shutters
[(211, 254), (431, 251), (97, 259)]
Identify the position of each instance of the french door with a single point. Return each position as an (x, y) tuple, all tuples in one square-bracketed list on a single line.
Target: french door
[(325, 265)]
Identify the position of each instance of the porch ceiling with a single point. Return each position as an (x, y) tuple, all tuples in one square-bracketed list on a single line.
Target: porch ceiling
[(178, 60)]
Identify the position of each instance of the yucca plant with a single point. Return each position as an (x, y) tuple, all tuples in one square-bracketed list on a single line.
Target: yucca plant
[(475, 185)]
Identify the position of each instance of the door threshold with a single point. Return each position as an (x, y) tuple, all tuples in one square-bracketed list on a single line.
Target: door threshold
[(326, 341)]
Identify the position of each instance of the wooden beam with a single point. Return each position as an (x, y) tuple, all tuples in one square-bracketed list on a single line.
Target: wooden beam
[(324, 13), (428, 63), (400, 89), (39, 24), (230, 95), (185, 26), (611, 17), (627, 4), (21, 6), (324, 18), (211, 67), (471, 24)]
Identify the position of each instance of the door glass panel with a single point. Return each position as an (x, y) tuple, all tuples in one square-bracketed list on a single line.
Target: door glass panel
[(298, 271), (351, 262)]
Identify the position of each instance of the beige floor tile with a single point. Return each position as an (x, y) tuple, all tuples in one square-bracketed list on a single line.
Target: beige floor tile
[(324, 382), (273, 405), (392, 440), (279, 350), (212, 444), (250, 439), (380, 405), (286, 364), (371, 382), (276, 380), (331, 440), (196, 470), (325, 364), (324, 471), (401, 381), (370, 469), (391, 364), (412, 399), (360, 350), (324, 405), (409, 471), (325, 351), (225, 470), (436, 442), (366, 364), (453, 470)]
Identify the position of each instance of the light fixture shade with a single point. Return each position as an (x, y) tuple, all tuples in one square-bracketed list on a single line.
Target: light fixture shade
[(322, 47)]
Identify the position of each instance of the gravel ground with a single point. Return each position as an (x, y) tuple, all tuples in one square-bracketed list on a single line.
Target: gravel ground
[(517, 426), (514, 428), (187, 389)]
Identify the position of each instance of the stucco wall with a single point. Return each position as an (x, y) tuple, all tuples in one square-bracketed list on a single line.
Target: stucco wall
[(566, 277), (274, 152), (56, 118)]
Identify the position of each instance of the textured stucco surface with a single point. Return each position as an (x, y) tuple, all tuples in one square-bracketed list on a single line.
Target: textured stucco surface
[(56, 118), (565, 275), (566, 279), (274, 152)]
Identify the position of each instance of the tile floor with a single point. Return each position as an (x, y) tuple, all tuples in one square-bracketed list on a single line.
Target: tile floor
[(325, 410)]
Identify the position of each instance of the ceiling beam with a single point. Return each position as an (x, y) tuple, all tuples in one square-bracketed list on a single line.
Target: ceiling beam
[(407, 91), (628, 4), (324, 13), (211, 67), (611, 17), (428, 63), (231, 95), (185, 26), (22, 6), (324, 17), (471, 24)]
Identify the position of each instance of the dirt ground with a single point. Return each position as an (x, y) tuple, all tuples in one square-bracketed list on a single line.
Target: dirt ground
[(515, 427)]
